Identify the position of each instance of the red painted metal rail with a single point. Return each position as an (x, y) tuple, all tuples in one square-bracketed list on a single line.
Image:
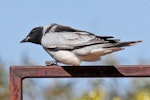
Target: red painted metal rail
[(18, 73)]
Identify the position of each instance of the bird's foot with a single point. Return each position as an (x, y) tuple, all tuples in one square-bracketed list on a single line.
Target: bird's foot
[(51, 63)]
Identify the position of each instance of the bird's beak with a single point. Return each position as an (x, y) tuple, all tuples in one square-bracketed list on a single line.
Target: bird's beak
[(25, 40)]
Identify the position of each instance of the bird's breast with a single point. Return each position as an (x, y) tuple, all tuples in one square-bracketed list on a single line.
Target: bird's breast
[(64, 56)]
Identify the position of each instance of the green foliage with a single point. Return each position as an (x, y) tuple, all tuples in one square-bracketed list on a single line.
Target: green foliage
[(59, 91), (143, 94), (93, 95), (4, 85)]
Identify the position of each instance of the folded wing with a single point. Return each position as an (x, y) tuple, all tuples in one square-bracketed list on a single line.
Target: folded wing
[(70, 40), (64, 37)]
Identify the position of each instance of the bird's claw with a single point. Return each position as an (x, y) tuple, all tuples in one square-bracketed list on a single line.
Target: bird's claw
[(51, 63)]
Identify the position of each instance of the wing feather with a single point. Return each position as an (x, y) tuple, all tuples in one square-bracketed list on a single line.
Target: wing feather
[(69, 40), (65, 37)]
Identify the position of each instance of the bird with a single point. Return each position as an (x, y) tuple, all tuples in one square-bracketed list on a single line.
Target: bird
[(71, 46)]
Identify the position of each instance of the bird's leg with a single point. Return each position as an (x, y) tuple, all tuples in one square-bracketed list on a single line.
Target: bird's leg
[(50, 63)]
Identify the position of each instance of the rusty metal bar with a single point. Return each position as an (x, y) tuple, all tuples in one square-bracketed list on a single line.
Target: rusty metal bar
[(18, 73)]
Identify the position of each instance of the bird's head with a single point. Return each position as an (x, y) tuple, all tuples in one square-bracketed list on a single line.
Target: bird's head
[(34, 36)]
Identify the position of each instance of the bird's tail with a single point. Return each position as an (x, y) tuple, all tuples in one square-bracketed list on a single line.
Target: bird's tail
[(122, 44)]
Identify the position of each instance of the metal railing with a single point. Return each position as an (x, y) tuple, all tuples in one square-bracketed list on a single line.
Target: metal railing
[(18, 73)]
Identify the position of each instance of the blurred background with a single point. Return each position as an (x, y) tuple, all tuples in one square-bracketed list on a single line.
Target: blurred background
[(123, 19)]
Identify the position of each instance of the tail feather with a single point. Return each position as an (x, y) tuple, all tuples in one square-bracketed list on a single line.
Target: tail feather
[(122, 44)]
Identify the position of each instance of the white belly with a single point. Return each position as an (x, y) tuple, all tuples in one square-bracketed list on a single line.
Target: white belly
[(65, 57)]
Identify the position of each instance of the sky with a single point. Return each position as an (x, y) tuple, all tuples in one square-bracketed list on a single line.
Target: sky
[(124, 19)]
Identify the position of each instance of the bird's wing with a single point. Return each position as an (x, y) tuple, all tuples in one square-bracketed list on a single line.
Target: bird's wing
[(61, 28), (64, 37), (69, 40)]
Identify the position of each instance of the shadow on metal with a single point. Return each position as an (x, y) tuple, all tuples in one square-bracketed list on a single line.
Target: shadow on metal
[(95, 71)]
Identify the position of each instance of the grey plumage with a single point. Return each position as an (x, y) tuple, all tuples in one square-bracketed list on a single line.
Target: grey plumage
[(71, 46)]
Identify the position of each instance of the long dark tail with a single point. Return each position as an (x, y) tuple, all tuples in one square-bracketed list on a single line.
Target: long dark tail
[(122, 44)]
